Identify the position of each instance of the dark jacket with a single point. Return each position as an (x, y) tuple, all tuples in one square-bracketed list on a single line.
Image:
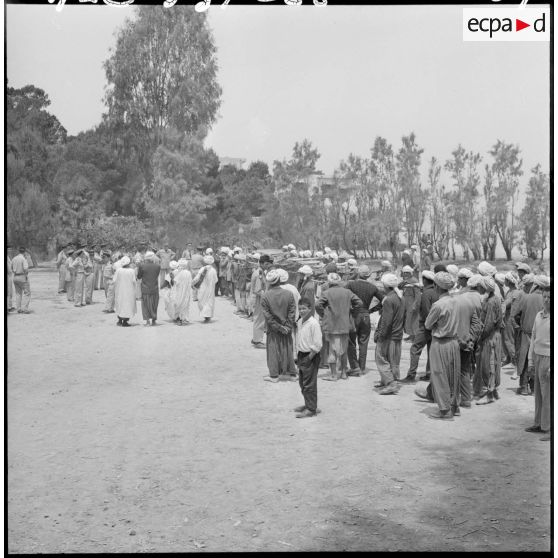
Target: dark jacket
[(278, 307), (428, 297), (392, 318), (148, 272)]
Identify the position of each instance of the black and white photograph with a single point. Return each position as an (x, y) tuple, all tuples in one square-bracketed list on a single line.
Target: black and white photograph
[(337, 217)]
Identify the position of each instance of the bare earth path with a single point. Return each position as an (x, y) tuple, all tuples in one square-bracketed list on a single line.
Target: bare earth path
[(167, 439)]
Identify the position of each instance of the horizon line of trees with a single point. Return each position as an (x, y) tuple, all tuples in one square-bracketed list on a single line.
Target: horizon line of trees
[(144, 174)]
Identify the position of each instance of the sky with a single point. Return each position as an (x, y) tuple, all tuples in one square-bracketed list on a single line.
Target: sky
[(337, 75)]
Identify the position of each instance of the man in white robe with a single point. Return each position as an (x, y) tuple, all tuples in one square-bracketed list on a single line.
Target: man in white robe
[(182, 292), (206, 289), (169, 292), (125, 292)]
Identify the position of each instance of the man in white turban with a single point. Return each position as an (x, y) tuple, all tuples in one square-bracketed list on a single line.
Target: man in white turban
[(486, 379), (284, 284), (195, 265), (182, 292), (385, 268), (411, 299), (124, 292), (334, 307), (463, 275), (484, 268), (278, 306), (444, 352), (352, 273), (307, 253), (204, 282), (388, 336), (511, 334), (319, 254), (169, 291)]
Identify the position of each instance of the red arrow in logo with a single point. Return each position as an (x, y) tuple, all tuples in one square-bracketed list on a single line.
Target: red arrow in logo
[(519, 25)]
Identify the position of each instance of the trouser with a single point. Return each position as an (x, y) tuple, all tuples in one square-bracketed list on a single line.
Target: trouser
[(23, 292), (109, 293), (89, 280), (62, 278), (444, 373), (162, 273), (10, 279), (217, 288), (70, 292), (97, 276), (388, 357), (78, 289), (240, 298), (308, 379), (542, 391), (324, 353), (508, 342), (338, 344), (258, 324), (362, 336), (231, 289), (422, 338), (223, 286), (465, 376), (526, 376)]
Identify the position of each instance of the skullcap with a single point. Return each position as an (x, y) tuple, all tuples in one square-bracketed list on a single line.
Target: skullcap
[(363, 271), (208, 260), (283, 275), (485, 268), (426, 274), (306, 270), (489, 283), (523, 267), (333, 278), (512, 278), (528, 279), (407, 269), (542, 281), (390, 280), (272, 276), (500, 278), (174, 264), (475, 280), (465, 272), (452, 269), (444, 280)]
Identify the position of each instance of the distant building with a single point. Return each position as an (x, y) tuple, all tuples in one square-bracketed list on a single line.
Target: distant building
[(236, 162)]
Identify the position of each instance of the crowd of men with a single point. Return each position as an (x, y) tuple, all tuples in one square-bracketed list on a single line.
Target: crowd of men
[(471, 322)]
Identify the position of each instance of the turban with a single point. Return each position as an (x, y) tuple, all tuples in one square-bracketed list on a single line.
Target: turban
[(523, 267), (208, 260), (306, 270), (542, 281), (209, 251), (452, 269), (512, 278), (319, 254), (333, 279), (272, 276), (407, 269), (300, 253), (334, 256), (500, 278), (327, 249), (225, 249), (285, 248), (414, 247), (149, 254), (236, 257), (174, 264), (475, 280), (182, 263), (528, 279), (385, 263), (428, 275), (444, 280), (307, 253), (291, 247), (256, 256), (489, 283), (283, 275), (125, 261), (351, 261), (464, 272), (484, 268), (390, 280), (363, 271), (230, 252), (237, 249), (294, 253)]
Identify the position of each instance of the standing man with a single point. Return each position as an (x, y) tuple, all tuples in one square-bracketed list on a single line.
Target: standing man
[(108, 283), (309, 344), (423, 337), (61, 266), (284, 284), (385, 268), (88, 276), (187, 252), (260, 286), (97, 268), (366, 292), (223, 273), (205, 281), (78, 266), (426, 260), (335, 306), (10, 279), (149, 273), (278, 308), (539, 363), (411, 299), (196, 263), (165, 255), (509, 332), (444, 351), (388, 335), (307, 287), (124, 292), (70, 275), (20, 269)]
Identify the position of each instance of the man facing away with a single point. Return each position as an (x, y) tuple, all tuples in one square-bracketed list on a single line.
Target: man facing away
[(149, 273), (259, 288), (278, 308), (20, 270)]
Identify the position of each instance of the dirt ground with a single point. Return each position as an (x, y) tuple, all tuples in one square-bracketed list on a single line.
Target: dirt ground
[(167, 439)]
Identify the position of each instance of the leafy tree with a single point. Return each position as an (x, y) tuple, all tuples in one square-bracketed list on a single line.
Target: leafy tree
[(439, 209), (535, 216)]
